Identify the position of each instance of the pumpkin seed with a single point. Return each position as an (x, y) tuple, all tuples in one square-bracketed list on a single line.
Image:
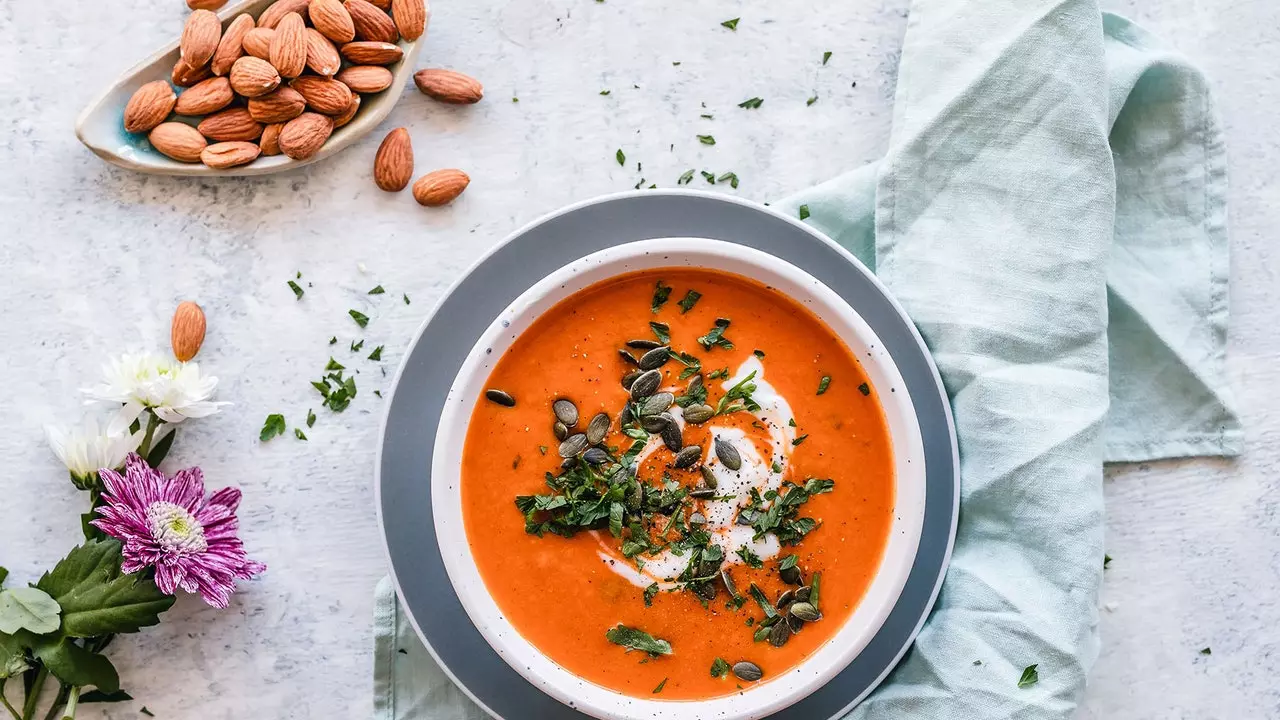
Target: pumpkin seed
[(630, 378), (729, 587), (728, 454), (598, 428), (573, 445), (747, 671), (695, 385), (805, 611), (708, 477), (626, 416), (568, 463), (641, 344), (791, 575), (656, 423), (706, 591), (655, 404), (785, 598), (672, 436), (698, 413), (628, 357), (795, 623), (500, 397), (565, 411), (595, 456), (702, 493), (697, 519), (655, 358), (646, 385), (560, 430), (779, 634), (635, 497), (802, 594), (688, 456)]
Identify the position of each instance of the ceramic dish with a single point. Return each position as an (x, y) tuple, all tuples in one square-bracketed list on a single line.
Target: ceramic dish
[(101, 125), (758, 700), (463, 315)]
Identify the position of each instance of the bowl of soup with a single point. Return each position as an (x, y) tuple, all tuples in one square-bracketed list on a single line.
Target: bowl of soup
[(678, 478)]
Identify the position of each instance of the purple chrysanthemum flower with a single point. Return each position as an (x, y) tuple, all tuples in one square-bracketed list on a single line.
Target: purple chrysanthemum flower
[(169, 524)]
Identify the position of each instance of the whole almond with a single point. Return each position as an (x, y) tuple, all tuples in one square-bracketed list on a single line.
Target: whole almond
[(440, 187), (231, 46), (448, 86), (370, 22), (274, 14), (187, 332), (270, 140), (352, 108), (332, 20), (280, 105), (384, 5), (393, 165), (322, 56), (184, 75), (365, 78), (149, 106), (371, 52), (410, 17), (304, 135), (252, 76), (206, 96), (289, 46), (178, 140), (200, 37), (225, 155), (205, 4), (257, 42), (329, 97), (230, 125)]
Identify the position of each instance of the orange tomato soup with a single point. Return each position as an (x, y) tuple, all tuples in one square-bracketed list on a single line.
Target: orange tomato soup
[(563, 594)]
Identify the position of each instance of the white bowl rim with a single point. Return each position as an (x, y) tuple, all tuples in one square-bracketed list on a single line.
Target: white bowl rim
[(824, 663)]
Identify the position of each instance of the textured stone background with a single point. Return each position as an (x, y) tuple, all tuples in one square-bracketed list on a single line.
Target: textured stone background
[(95, 259)]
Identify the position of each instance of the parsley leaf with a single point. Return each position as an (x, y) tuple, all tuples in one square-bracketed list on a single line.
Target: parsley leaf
[(355, 346), (406, 299), (731, 24), (707, 139), (333, 340), (749, 557), (334, 365), (1106, 561), (742, 391), (789, 561), (605, 92), (273, 426), (297, 432), (660, 686), (634, 639), (731, 177), (376, 354), (719, 668), (865, 389), (311, 418), (715, 336), (690, 299), (826, 56), (621, 157), (661, 293), (685, 178), (710, 177), (804, 212), (1206, 651), (649, 593), (811, 101), (377, 290), (296, 288), (662, 331), (799, 440), (1030, 676), (824, 384), (360, 318), (751, 103)]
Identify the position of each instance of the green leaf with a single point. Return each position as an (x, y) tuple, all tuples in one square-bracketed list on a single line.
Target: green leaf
[(13, 657), (1206, 651), (707, 139), (751, 103), (719, 668), (1030, 676), (804, 212), (649, 593), (824, 384), (273, 426), (789, 562), (160, 450), (605, 92), (865, 389), (377, 290), (376, 354), (1106, 561), (690, 299), (296, 288), (660, 686), (297, 432), (97, 696), (731, 24), (406, 299), (826, 56), (633, 639), (360, 318), (661, 293), (812, 99), (28, 608), (97, 598), (732, 177), (4, 573), (76, 666), (620, 156), (685, 178), (311, 418), (355, 346)]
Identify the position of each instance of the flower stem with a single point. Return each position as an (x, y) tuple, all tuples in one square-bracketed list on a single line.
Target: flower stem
[(12, 710), (57, 703), (152, 423), (33, 695), (73, 698)]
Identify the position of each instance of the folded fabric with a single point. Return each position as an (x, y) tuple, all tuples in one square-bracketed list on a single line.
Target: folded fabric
[(1052, 215)]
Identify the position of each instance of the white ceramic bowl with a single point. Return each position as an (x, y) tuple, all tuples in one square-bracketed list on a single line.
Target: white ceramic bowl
[(758, 700)]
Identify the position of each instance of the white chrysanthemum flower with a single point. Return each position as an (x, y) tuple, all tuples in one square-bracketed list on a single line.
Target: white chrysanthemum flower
[(87, 448), (173, 390)]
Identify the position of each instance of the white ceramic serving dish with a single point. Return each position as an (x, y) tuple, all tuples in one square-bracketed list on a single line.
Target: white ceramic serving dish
[(758, 700), (101, 124)]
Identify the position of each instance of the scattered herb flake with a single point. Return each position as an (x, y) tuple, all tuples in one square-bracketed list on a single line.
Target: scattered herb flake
[(334, 365), (663, 332), (377, 291), (1106, 561), (621, 157), (516, 99), (376, 354), (707, 116), (804, 212), (690, 299), (649, 592), (296, 288), (731, 24), (635, 639), (792, 422), (311, 418), (685, 178), (751, 103), (542, 449), (719, 668), (1030, 676), (824, 384), (865, 389), (826, 56), (815, 587), (406, 299), (706, 139), (799, 440), (749, 557), (333, 340), (661, 293), (355, 346), (1206, 651), (789, 561), (146, 712), (273, 426), (605, 92), (811, 101), (710, 177), (758, 353), (297, 432), (731, 177), (660, 686), (777, 466), (360, 318), (675, 63)]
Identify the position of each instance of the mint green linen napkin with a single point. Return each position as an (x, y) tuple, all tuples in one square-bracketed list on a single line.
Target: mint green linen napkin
[(1052, 215)]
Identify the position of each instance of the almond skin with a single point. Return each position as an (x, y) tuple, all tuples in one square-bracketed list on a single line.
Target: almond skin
[(372, 52), (440, 187), (257, 42), (393, 165), (231, 46), (186, 334), (289, 46), (230, 125), (384, 5), (304, 135), (332, 20), (448, 86), (178, 140), (225, 155), (274, 14), (278, 106), (352, 108), (328, 97), (322, 56), (184, 75), (270, 140), (205, 4), (365, 78), (410, 17), (370, 22), (200, 37), (206, 96), (252, 76), (149, 106)]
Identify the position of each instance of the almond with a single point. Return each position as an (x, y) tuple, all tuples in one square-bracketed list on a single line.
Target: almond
[(206, 96), (410, 17), (257, 42), (365, 78), (332, 20), (205, 4), (370, 22), (231, 46), (289, 46), (393, 165), (352, 108), (448, 86), (274, 14), (270, 140), (200, 37), (225, 155), (322, 56), (184, 75), (371, 52), (323, 95), (304, 135), (280, 105), (252, 76), (187, 333), (233, 124), (149, 106), (440, 187), (384, 5), (178, 140)]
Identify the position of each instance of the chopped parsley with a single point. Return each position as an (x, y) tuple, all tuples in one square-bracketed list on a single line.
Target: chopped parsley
[(296, 288), (811, 101), (334, 365), (731, 177), (789, 561), (377, 290), (710, 177), (273, 426), (690, 299), (1106, 561), (824, 383), (355, 346), (605, 92), (758, 353), (749, 557), (707, 116), (1030, 676), (865, 389), (1206, 651), (376, 354), (660, 686), (649, 593), (621, 157), (804, 212), (661, 293), (662, 331), (799, 440), (742, 391), (311, 418), (826, 56), (360, 318), (731, 24), (719, 668), (781, 516), (707, 139), (406, 299), (751, 103), (686, 177), (297, 432), (635, 639), (333, 340), (715, 336)]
